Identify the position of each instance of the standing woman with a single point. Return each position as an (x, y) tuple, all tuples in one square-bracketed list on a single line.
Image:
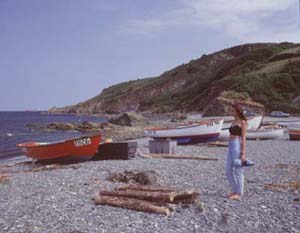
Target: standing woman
[(236, 153)]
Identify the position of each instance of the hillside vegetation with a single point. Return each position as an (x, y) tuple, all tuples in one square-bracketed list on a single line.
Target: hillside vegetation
[(266, 75)]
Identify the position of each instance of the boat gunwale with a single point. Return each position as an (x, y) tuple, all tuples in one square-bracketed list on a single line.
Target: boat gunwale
[(185, 126), (38, 144)]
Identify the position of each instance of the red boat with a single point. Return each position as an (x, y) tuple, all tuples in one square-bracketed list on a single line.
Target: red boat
[(294, 134), (77, 149)]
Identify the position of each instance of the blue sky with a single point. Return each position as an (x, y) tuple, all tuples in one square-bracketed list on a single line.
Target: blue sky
[(61, 52)]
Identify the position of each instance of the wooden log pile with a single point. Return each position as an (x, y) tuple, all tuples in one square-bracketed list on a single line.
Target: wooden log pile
[(151, 199)]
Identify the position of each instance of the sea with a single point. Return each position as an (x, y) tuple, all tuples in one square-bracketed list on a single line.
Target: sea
[(15, 128)]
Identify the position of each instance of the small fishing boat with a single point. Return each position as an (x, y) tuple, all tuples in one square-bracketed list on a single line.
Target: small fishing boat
[(294, 134), (260, 134), (195, 132), (279, 114), (289, 124), (265, 134), (253, 123), (76, 149)]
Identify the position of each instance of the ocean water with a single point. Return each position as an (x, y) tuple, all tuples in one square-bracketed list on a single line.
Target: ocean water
[(13, 130)]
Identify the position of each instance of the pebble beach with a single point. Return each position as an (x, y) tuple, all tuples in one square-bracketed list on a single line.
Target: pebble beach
[(60, 200)]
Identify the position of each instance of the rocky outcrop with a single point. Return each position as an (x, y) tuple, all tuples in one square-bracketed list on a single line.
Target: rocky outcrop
[(128, 119), (83, 127), (115, 132)]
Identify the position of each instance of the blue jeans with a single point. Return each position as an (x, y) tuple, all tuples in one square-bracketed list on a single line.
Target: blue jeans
[(235, 174)]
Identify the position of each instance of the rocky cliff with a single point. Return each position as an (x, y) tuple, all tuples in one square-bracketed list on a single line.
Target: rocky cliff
[(265, 75)]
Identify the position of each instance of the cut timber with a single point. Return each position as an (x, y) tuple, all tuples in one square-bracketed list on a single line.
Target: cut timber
[(141, 195), (172, 197), (146, 188), (175, 196), (168, 156), (133, 204)]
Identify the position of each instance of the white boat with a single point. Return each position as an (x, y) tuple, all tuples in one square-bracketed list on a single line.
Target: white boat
[(260, 134), (279, 114), (253, 123), (196, 132), (265, 134), (289, 124)]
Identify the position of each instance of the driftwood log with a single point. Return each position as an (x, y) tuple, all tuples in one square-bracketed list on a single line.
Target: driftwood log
[(148, 188), (171, 156), (133, 204), (171, 197), (188, 196)]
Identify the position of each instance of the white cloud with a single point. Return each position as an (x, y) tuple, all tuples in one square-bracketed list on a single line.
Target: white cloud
[(246, 20)]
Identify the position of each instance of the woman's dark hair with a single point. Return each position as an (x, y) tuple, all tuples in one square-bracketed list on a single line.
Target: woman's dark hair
[(239, 111)]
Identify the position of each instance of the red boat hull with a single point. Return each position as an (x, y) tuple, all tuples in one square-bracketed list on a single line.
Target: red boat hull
[(294, 135), (82, 148)]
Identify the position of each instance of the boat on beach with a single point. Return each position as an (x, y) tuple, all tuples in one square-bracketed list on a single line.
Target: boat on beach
[(289, 124), (294, 134), (260, 134), (279, 114), (253, 123), (265, 134), (195, 132), (77, 149)]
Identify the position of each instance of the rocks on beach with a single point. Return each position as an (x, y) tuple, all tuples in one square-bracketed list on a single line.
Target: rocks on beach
[(123, 127)]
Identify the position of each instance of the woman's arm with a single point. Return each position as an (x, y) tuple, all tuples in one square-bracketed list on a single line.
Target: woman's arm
[(243, 147)]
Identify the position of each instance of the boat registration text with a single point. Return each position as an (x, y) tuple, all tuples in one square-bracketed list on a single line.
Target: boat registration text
[(82, 142)]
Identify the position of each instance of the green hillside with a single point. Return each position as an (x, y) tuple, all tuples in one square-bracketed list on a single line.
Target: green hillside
[(267, 73)]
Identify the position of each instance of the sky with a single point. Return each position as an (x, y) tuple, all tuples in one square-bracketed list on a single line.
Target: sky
[(61, 52)]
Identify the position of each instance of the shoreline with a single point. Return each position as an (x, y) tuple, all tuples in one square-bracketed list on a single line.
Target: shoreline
[(123, 133)]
